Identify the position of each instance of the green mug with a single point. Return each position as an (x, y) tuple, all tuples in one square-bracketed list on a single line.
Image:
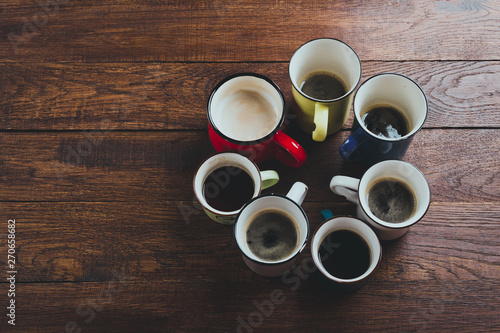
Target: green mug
[(224, 182), (324, 74)]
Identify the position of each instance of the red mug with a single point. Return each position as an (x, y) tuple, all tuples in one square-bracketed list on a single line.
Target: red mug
[(246, 112)]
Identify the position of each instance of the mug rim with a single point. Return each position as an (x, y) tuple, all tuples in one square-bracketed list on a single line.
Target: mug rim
[(210, 208), (412, 132), (326, 100), (300, 247), (250, 142), (355, 280), (391, 225)]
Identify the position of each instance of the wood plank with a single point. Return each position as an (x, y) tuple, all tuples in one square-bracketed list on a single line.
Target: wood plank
[(198, 306), (246, 30), (136, 96), (161, 242), (159, 166)]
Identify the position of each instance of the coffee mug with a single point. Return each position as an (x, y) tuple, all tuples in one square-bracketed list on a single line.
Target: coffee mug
[(345, 250), (245, 113), (272, 230), (389, 109), (224, 182), (324, 74), (391, 196)]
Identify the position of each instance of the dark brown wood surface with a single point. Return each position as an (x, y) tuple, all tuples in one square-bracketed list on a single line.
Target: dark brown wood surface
[(103, 123)]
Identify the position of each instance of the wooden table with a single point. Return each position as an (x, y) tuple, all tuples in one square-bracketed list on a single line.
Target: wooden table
[(103, 123)]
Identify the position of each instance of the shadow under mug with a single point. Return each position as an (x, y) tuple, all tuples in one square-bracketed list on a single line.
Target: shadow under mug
[(317, 116), (290, 206), (246, 112), (356, 191), (385, 89), (356, 226), (261, 180)]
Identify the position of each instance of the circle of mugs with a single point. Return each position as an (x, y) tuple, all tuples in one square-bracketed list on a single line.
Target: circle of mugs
[(246, 113)]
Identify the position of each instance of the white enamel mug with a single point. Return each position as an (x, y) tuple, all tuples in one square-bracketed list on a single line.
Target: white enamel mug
[(233, 164), (336, 223), (356, 190), (290, 206)]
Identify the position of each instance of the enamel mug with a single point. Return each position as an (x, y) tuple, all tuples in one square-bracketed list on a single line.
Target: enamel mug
[(272, 236), (323, 114), (215, 175), (246, 113), (359, 190)]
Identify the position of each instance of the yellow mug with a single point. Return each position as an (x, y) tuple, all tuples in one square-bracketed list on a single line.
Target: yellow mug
[(324, 74)]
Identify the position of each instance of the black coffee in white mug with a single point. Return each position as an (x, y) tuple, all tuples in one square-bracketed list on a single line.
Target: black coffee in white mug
[(391, 196), (348, 258), (346, 251), (272, 230), (238, 188), (391, 200), (272, 234)]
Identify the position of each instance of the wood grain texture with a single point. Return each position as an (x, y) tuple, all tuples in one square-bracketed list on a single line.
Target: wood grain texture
[(84, 242), (137, 96), (103, 124), (199, 306), (104, 31), (152, 166)]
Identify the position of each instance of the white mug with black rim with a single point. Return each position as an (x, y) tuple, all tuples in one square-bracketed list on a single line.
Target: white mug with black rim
[(271, 248), (391, 196)]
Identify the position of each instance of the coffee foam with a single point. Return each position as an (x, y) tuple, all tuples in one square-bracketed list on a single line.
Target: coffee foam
[(272, 235), (391, 200), (246, 110)]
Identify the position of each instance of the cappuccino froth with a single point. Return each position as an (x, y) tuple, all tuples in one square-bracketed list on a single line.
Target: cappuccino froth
[(247, 109), (246, 115)]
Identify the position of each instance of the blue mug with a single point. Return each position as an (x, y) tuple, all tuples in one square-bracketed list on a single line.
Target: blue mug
[(389, 109)]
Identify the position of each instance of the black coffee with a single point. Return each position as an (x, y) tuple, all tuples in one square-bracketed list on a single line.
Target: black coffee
[(391, 200), (228, 188), (386, 121), (323, 85), (272, 235), (345, 254)]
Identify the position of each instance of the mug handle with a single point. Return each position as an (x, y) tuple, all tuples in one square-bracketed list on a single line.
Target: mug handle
[(298, 192), (346, 187), (289, 151), (269, 178), (348, 149), (320, 122)]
